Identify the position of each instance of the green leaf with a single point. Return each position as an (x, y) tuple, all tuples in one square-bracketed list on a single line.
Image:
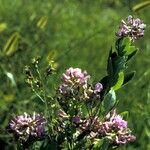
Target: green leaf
[(109, 63), (124, 46), (125, 114), (132, 54), (128, 77), (141, 5), (119, 82), (10, 77), (42, 22), (129, 50), (105, 145), (3, 26), (11, 45), (109, 101), (121, 44), (119, 64), (97, 144)]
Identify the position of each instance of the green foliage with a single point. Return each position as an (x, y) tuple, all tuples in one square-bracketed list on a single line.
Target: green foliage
[(12, 45), (109, 101), (141, 5), (79, 34)]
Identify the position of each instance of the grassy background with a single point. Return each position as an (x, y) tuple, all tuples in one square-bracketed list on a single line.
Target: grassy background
[(78, 33)]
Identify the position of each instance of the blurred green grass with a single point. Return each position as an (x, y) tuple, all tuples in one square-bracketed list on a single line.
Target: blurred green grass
[(80, 34)]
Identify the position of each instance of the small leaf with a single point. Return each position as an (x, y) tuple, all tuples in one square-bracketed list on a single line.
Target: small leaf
[(42, 22), (124, 46), (128, 77), (147, 131), (8, 98), (11, 78), (125, 114), (3, 26), (141, 5), (12, 45), (97, 144), (109, 101), (119, 82), (132, 54), (121, 43), (129, 50)]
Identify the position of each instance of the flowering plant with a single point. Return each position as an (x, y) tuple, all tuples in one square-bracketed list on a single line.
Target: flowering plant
[(81, 114)]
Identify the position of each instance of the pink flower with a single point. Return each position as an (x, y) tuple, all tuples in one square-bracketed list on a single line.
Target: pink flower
[(26, 126), (119, 122), (76, 119), (75, 76), (132, 27), (98, 88), (124, 137)]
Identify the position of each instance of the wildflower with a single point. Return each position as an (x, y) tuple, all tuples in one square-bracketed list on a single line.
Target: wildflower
[(113, 127), (116, 127), (98, 88), (119, 122), (124, 137), (75, 76), (77, 119), (28, 126), (132, 27), (75, 81), (105, 128), (116, 120)]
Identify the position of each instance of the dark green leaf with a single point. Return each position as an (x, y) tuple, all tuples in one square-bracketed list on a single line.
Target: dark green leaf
[(131, 55), (105, 145), (121, 43), (109, 101), (128, 77), (119, 64), (109, 63)]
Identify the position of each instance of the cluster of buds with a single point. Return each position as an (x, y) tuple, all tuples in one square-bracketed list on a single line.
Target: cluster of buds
[(113, 127), (131, 27), (75, 80), (26, 127)]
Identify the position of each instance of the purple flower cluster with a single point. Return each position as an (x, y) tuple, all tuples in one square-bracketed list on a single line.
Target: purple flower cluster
[(119, 122), (132, 27), (73, 78), (28, 126), (124, 137), (116, 127), (113, 127)]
